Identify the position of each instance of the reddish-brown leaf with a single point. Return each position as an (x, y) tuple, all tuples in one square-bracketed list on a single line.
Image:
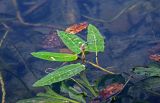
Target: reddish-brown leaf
[(76, 28), (155, 57), (111, 90)]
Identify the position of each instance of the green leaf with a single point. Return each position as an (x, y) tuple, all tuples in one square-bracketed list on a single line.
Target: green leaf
[(41, 100), (50, 93), (94, 39), (79, 97), (149, 83), (60, 74), (73, 93), (84, 81), (151, 70), (50, 56), (73, 42)]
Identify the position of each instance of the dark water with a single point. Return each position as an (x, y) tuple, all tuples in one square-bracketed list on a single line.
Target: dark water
[(131, 29)]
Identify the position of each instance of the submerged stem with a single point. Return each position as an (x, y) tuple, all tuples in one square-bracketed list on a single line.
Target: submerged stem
[(99, 67), (78, 83), (4, 37), (2, 88), (97, 59)]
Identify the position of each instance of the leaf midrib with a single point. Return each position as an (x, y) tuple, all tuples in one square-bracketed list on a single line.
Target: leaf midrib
[(72, 42)]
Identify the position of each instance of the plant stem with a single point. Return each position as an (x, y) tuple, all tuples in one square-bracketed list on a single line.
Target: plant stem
[(1, 77), (23, 83), (99, 67), (83, 57), (97, 59), (3, 38), (78, 83), (2, 88)]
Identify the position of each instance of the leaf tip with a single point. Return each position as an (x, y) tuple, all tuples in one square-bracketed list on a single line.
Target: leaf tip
[(37, 84), (33, 53), (59, 32)]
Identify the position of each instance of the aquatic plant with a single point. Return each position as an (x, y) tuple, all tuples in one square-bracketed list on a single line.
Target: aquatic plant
[(152, 74), (71, 79), (82, 89), (150, 70)]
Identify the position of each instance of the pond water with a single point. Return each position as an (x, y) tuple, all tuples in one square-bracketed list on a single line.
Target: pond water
[(131, 29)]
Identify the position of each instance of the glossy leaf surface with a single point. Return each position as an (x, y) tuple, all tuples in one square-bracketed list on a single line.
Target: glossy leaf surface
[(50, 56), (60, 74), (73, 42), (94, 39)]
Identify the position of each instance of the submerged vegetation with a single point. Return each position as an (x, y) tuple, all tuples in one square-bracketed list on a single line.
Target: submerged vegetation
[(131, 32), (70, 83)]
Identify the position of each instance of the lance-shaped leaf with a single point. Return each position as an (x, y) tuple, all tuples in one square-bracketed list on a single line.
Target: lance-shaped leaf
[(50, 56), (73, 42), (41, 100), (151, 70), (60, 74), (53, 95), (94, 39), (73, 93)]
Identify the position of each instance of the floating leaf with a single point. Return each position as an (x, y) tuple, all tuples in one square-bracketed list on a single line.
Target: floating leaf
[(41, 100), (151, 70), (73, 42), (155, 57), (60, 74), (50, 56), (76, 28), (94, 39)]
